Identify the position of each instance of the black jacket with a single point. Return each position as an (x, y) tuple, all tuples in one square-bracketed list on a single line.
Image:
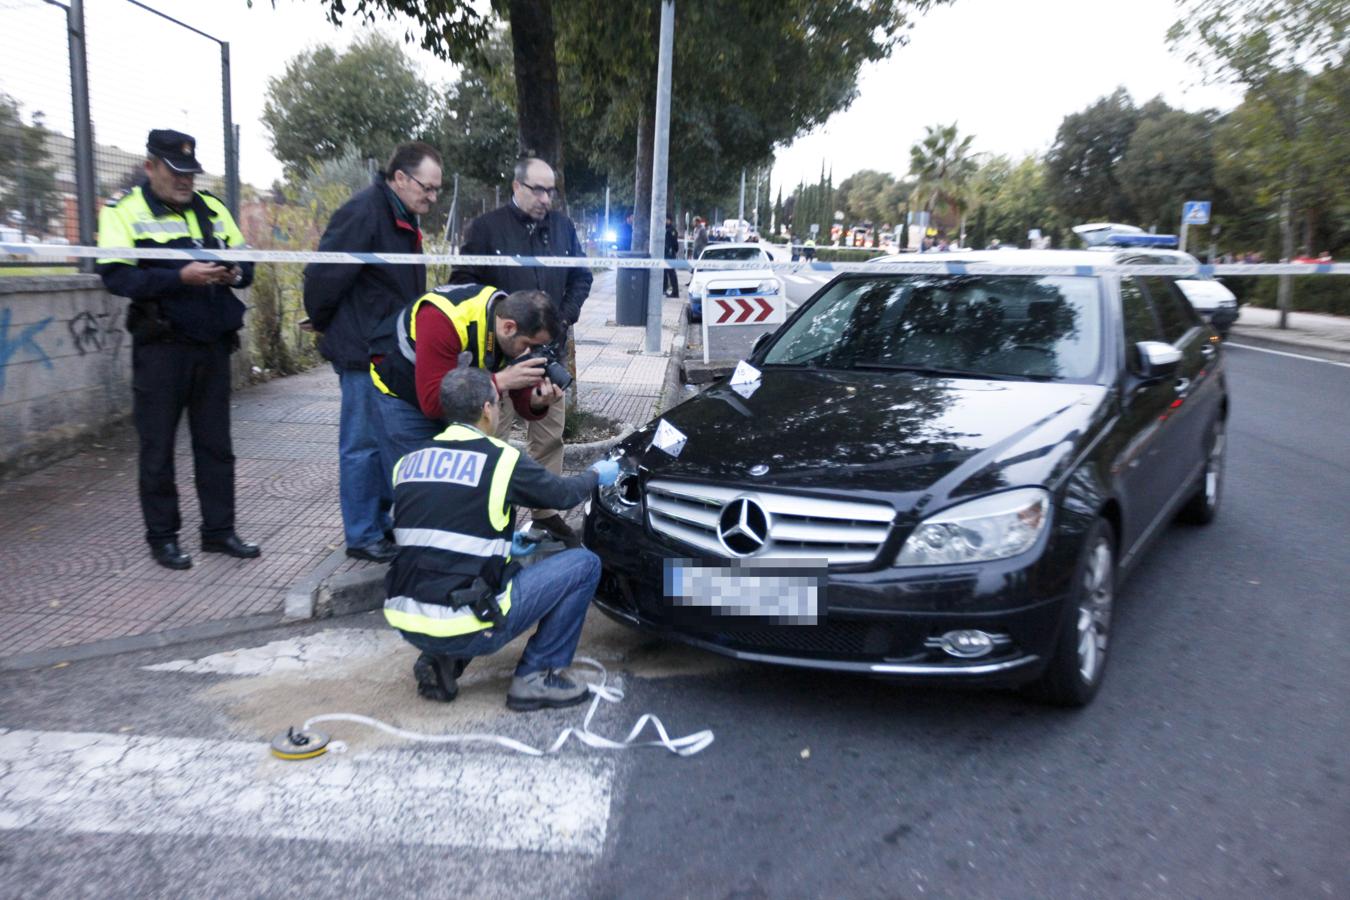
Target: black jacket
[(347, 301), (672, 242), (506, 231)]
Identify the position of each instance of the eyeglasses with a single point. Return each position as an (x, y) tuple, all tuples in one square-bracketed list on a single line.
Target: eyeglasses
[(539, 190), (424, 186)]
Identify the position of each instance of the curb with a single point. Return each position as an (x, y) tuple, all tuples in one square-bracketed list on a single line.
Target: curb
[(151, 641)]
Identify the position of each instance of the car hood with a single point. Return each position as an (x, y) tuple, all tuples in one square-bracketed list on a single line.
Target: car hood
[(880, 434)]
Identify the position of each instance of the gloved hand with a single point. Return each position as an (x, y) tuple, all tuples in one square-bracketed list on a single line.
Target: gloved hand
[(607, 469), (522, 547)]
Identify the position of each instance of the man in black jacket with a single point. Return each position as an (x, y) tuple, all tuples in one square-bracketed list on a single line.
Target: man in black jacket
[(528, 226), (346, 302), (672, 249)]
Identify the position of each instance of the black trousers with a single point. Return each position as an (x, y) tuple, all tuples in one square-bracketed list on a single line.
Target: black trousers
[(672, 283), (167, 378)]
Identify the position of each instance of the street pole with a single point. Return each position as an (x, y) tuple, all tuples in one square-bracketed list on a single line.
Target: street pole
[(740, 210), (450, 218), (86, 190), (656, 237), (604, 235), (231, 161), (758, 178)]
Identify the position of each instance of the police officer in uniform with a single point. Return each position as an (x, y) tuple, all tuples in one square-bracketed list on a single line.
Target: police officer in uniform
[(455, 589), (184, 322), (413, 349)]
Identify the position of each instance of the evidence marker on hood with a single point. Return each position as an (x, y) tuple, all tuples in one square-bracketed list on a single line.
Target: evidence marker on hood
[(303, 744)]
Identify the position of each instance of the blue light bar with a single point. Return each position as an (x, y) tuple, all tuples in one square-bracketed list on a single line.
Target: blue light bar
[(1141, 240)]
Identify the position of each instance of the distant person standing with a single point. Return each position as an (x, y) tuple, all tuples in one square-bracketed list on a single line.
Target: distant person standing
[(700, 238), (625, 241), (346, 303), (672, 249), (184, 324), (528, 226)]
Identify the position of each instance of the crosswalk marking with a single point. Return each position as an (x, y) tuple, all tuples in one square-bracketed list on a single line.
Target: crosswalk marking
[(74, 782)]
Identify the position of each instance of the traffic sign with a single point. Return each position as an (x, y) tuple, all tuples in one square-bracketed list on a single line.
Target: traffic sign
[(732, 323), (1195, 212)]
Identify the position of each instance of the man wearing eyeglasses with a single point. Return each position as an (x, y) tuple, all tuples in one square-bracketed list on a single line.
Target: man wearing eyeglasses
[(529, 226), (345, 303)]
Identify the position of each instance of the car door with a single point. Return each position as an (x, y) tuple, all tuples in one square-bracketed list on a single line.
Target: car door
[(1141, 463), (1198, 392)]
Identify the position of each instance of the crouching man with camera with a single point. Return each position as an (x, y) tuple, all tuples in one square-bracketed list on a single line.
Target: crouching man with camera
[(455, 590), (467, 325)]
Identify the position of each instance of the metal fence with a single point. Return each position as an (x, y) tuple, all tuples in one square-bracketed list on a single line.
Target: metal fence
[(80, 87)]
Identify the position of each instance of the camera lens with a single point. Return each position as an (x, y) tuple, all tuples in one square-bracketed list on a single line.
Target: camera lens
[(558, 374)]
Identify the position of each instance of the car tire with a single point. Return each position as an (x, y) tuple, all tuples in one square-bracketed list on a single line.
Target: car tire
[(690, 317), (1079, 661), (1203, 506)]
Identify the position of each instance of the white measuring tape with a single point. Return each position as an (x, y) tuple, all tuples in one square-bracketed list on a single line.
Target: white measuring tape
[(601, 690), (915, 264)]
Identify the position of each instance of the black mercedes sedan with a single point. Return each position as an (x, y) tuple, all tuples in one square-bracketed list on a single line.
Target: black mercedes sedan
[(931, 477)]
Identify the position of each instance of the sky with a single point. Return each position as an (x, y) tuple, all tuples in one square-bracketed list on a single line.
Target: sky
[(1006, 71)]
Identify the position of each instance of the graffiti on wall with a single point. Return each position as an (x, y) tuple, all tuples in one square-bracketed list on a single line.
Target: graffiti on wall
[(11, 345), (91, 332), (95, 333)]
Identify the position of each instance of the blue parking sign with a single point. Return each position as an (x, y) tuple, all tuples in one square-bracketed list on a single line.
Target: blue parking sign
[(1195, 212)]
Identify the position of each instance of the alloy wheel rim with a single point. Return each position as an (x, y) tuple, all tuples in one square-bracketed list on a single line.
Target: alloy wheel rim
[(1094, 612), (1214, 469)]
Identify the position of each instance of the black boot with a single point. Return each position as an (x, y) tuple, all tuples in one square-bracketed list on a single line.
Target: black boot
[(436, 676)]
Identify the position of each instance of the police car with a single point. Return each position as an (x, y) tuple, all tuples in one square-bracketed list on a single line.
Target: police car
[(928, 477), (711, 284)]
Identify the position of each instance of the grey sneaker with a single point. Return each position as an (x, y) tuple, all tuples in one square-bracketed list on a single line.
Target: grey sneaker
[(547, 688)]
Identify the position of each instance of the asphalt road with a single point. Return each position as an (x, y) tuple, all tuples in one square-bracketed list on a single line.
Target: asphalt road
[(1212, 763)]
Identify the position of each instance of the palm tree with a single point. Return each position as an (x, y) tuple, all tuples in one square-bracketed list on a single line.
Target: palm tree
[(942, 165)]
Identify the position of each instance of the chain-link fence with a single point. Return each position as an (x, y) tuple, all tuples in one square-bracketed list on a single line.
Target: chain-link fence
[(69, 144)]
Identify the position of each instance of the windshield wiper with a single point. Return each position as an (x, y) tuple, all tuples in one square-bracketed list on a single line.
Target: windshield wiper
[(939, 371)]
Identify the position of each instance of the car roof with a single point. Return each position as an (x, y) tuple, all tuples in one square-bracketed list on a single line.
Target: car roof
[(1118, 255)]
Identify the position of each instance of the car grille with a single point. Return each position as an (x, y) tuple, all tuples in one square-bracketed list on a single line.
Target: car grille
[(842, 532), (837, 639)]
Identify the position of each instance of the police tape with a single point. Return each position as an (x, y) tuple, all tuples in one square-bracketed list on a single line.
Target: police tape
[(891, 264)]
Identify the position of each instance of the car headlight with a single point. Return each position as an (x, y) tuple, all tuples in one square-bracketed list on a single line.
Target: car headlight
[(768, 287), (993, 527), (622, 498)]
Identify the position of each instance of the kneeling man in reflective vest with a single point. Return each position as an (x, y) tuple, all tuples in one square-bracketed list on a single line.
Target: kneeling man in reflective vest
[(456, 589)]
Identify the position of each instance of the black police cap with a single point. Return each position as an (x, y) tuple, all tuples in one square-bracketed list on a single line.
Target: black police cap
[(178, 150)]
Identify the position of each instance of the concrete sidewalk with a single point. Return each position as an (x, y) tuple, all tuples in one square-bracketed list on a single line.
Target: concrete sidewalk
[(76, 579), (1314, 333)]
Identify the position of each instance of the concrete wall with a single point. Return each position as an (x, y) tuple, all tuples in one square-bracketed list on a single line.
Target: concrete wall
[(65, 365)]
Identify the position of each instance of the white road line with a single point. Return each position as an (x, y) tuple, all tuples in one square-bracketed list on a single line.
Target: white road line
[(1329, 362), (126, 784)]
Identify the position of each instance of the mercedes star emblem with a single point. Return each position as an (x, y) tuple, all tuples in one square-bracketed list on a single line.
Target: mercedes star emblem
[(743, 527), (759, 470)]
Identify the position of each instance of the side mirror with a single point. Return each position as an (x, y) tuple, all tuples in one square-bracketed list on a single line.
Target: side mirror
[(1157, 359)]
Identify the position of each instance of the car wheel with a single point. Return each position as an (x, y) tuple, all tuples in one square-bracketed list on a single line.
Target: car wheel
[(690, 316), (1079, 662), (1204, 503)]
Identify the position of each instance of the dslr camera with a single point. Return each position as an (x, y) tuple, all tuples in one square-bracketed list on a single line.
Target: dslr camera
[(556, 371)]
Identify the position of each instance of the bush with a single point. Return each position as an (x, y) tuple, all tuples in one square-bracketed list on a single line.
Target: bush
[(1317, 293)]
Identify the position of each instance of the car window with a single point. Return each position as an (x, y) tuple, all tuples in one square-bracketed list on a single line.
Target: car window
[(1174, 311), (1140, 323), (740, 254), (1019, 326)]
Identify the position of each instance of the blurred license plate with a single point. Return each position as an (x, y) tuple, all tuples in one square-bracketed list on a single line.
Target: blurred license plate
[(786, 592)]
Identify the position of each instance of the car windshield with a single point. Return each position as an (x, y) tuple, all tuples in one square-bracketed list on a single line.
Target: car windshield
[(739, 254), (978, 325)]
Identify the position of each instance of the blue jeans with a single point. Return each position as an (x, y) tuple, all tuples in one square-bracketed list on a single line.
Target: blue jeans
[(406, 428), (365, 491), (553, 592)]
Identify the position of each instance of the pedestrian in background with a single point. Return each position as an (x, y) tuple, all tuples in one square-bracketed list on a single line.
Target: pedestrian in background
[(184, 323), (672, 250), (528, 226), (346, 303), (700, 238)]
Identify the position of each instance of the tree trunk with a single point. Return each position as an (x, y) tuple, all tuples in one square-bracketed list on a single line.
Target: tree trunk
[(642, 176), (1285, 294), (538, 101)]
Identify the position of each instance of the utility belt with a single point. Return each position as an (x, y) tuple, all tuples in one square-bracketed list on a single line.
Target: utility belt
[(147, 325), (480, 597)]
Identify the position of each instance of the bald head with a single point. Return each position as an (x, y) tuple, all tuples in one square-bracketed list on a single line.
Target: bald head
[(534, 187)]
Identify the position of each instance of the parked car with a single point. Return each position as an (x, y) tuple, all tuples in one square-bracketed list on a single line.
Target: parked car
[(935, 478), (1212, 299), (710, 284)]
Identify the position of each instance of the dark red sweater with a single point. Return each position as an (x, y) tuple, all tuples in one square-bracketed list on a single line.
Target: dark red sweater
[(438, 350)]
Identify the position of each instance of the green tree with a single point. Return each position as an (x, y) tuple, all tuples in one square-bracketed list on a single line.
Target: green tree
[(1082, 162), (369, 98), (942, 166), (1169, 160), (29, 196), (1273, 48)]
